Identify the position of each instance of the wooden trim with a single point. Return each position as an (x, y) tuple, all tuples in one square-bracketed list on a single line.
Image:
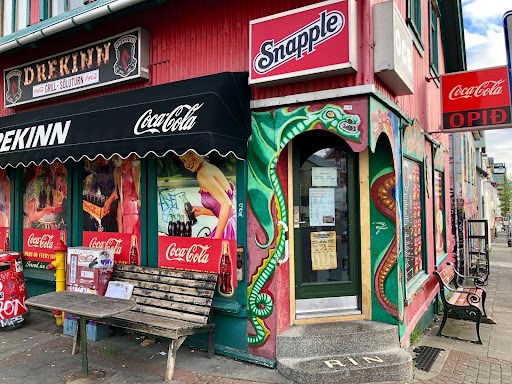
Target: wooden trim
[(333, 319), (364, 193), (291, 235)]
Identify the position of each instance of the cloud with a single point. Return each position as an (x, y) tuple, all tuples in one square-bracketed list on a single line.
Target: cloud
[(485, 47)]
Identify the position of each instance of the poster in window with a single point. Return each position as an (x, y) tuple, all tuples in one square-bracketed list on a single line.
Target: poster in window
[(111, 206), (412, 219), (45, 189), (196, 200), (324, 176), (5, 210), (439, 216), (323, 250), (321, 207)]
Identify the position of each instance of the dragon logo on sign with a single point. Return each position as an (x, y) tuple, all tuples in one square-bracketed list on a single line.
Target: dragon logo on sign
[(13, 86), (126, 62)]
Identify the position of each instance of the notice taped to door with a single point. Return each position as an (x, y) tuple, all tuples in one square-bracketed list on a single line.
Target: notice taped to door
[(323, 250)]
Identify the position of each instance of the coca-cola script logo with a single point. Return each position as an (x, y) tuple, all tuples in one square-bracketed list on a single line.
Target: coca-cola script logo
[(112, 243), (486, 88), (181, 118), (303, 41), (196, 253), (45, 241)]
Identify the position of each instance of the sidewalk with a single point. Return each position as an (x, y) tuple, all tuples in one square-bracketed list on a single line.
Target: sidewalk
[(464, 362), (38, 352)]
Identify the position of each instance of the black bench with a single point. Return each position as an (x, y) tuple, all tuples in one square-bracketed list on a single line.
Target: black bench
[(467, 302), (170, 303)]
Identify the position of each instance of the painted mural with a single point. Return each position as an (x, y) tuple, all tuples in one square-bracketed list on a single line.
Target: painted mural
[(385, 214), (271, 132)]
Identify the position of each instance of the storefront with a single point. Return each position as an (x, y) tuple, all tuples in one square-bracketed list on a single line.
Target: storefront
[(156, 174)]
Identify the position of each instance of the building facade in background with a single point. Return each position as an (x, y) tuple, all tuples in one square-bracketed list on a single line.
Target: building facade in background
[(302, 136)]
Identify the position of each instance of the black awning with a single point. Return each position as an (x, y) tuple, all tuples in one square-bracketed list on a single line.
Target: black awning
[(206, 114)]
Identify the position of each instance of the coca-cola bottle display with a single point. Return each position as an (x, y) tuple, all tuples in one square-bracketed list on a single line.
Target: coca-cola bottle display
[(171, 226), (188, 209), (7, 244), (134, 252), (225, 270)]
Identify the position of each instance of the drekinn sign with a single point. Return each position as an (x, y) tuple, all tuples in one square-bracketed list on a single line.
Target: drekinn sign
[(312, 41), (476, 100)]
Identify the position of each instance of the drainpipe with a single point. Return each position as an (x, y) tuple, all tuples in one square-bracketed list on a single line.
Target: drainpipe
[(81, 18)]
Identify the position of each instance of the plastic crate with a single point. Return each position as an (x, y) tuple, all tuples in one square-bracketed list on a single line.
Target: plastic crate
[(94, 331)]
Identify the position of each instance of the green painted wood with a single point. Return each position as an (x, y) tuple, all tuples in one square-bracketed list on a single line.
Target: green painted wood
[(152, 213)]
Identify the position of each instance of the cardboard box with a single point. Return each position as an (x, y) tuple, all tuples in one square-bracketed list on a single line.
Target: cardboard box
[(91, 257), (89, 269), (95, 331)]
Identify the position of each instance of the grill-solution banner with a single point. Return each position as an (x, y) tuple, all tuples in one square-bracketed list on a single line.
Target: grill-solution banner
[(204, 114)]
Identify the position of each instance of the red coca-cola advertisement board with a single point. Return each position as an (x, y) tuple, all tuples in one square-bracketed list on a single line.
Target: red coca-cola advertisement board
[(475, 100), (311, 41), (199, 254), (38, 244), (120, 243)]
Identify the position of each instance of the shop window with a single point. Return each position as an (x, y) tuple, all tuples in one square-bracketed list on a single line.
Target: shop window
[(57, 7), (439, 215), (413, 219), (5, 210), (45, 211), (8, 17), (196, 200), (414, 17), (434, 40), (15, 15), (111, 206)]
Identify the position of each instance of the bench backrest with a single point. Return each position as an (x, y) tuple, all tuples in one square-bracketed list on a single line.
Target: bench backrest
[(177, 294), (447, 274)]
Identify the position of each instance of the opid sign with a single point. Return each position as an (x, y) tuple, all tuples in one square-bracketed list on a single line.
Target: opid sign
[(476, 100)]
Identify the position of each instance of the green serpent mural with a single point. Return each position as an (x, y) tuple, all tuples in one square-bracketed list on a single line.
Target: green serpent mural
[(270, 134)]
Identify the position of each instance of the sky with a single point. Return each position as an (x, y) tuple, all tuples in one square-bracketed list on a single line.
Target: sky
[(485, 47)]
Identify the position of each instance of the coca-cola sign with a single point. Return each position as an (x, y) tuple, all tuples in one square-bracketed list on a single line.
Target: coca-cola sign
[(196, 254), (38, 244), (475, 100), (485, 88), (112, 243), (119, 243), (181, 118), (301, 42)]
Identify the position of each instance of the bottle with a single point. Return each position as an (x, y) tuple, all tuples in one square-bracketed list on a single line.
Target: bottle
[(51, 198), (7, 240), (170, 226), (134, 252), (225, 270), (188, 210)]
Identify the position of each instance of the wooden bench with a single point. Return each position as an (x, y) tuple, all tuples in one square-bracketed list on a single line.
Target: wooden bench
[(170, 303), (468, 302)]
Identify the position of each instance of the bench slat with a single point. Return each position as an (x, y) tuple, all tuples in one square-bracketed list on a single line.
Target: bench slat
[(191, 275), (189, 292), (170, 296), (190, 283), (153, 301), (172, 314)]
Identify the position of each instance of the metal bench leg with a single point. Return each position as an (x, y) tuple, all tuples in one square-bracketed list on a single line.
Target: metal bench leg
[(211, 343), (478, 319), (484, 295), (174, 344), (445, 316)]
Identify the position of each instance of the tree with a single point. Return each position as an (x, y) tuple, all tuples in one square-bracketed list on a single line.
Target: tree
[(506, 195)]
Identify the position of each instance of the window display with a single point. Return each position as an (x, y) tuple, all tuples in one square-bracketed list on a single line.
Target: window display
[(111, 206), (45, 221), (196, 215)]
